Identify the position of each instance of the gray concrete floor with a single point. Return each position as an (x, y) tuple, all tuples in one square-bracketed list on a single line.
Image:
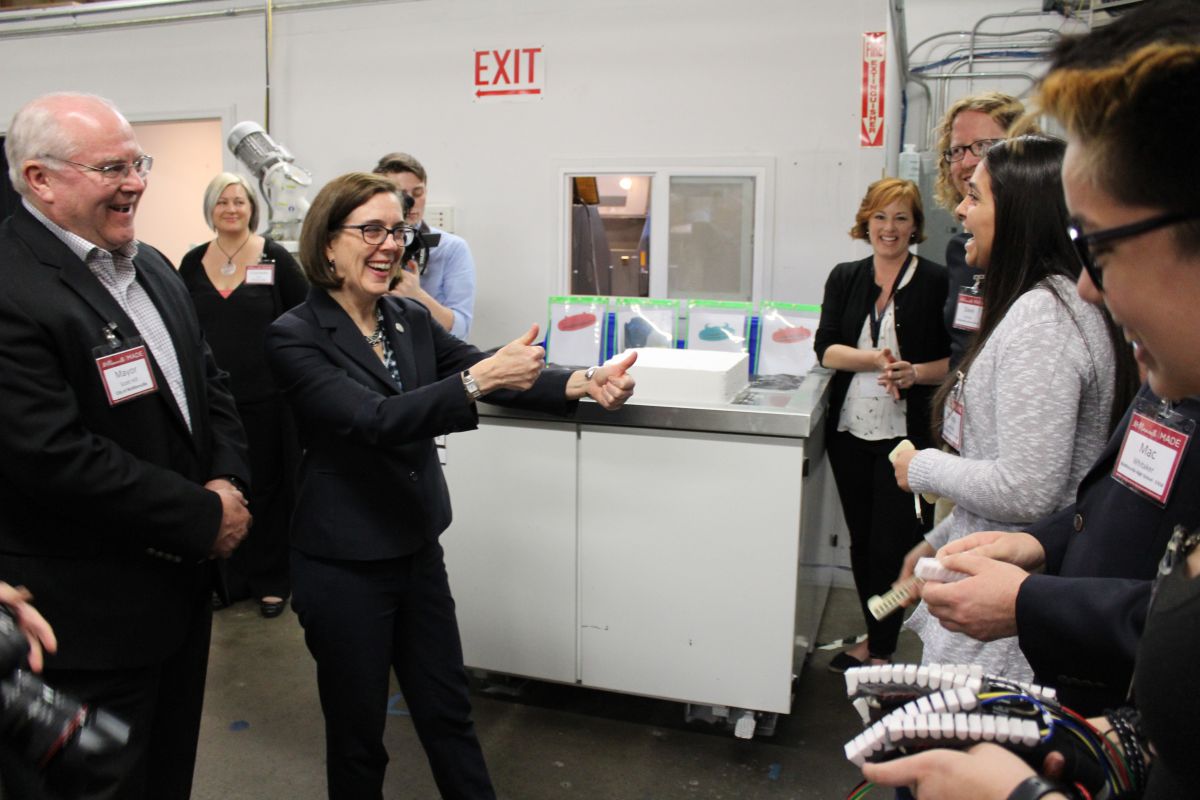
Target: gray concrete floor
[(262, 735)]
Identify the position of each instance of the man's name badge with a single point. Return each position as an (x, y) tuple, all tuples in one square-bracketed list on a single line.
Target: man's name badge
[(969, 311), (126, 374), (260, 274), (1150, 457)]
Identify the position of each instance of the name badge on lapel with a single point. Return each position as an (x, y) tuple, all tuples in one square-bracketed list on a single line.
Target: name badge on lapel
[(968, 312), (1153, 449), (952, 415), (124, 365), (261, 274)]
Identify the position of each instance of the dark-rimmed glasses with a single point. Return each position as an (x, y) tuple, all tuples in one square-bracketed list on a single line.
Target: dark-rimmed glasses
[(115, 173), (374, 233), (1085, 241), (978, 149)]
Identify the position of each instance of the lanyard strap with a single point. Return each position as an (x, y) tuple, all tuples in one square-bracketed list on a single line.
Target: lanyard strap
[(877, 321)]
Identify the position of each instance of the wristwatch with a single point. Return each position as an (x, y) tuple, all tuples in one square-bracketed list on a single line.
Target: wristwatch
[(587, 376), (470, 385), (235, 480), (1033, 787)]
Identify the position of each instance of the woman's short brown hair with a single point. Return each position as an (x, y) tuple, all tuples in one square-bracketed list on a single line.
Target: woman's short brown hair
[(882, 193), (334, 203), (1134, 117)]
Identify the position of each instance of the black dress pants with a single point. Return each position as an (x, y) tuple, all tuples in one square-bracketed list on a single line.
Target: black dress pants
[(361, 618), (882, 522), (259, 567)]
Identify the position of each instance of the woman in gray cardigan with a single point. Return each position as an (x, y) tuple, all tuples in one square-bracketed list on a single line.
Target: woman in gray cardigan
[(1036, 396)]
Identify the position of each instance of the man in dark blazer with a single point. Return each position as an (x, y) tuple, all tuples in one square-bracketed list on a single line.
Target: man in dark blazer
[(120, 445), (1079, 621)]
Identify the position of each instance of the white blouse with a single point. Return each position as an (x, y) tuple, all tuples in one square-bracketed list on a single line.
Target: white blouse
[(869, 412)]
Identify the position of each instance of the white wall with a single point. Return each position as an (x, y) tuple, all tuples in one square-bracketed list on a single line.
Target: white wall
[(625, 79), (633, 78), (1019, 23)]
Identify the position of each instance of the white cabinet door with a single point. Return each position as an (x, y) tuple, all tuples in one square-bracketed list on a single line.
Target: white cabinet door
[(511, 550), (688, 565)]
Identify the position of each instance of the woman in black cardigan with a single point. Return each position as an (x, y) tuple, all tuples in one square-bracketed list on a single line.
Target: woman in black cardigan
[(881, 330)]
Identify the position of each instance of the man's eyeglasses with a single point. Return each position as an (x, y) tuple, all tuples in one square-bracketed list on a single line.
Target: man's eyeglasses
[(373, 233), (115, 173), (1084, 242), (978, 149)]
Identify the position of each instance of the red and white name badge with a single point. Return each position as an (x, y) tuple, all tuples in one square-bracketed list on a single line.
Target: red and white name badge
[(952, 424), (126, 374), (260, 274), (1150, 457), (968, 314)]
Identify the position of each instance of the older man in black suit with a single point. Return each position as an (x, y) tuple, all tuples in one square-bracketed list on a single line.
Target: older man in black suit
[(120, 448)]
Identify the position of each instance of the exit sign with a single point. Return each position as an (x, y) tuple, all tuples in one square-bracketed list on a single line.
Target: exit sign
[(517, 73)]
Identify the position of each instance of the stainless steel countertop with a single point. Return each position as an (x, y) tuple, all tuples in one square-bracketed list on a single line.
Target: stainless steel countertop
[(768, 407)]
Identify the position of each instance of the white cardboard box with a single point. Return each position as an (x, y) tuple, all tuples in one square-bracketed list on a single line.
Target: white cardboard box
[(665, 376)]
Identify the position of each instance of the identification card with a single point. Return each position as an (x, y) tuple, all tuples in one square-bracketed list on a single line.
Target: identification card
[(261, 274), (126, 374), (952, 423), (1151, 453), (969, 312)]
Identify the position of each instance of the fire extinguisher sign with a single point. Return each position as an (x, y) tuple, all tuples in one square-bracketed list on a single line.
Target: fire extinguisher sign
[(874, 60)]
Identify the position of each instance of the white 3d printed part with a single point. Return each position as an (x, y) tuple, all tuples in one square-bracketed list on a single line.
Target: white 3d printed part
[(668, 377)]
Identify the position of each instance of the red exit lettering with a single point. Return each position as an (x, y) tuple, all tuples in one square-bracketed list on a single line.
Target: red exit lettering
[(507, 72)]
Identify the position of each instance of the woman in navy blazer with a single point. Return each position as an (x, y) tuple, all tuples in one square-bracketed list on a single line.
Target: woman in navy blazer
[(372, 379)]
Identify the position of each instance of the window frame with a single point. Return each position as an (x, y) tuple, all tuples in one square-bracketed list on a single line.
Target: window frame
[(661, 171)]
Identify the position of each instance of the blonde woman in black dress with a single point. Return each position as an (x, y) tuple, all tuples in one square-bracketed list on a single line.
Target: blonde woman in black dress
[(240, 282)]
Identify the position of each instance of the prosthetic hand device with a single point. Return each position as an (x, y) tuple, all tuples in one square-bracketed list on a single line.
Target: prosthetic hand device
[(908, 708)]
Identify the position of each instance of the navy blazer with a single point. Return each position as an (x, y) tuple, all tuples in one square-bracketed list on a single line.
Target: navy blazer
[(371, 486), (849, 292), (1079, 623), (105, 517)]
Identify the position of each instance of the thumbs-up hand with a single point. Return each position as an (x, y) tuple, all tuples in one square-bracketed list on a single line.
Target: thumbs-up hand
[(515, 366), (612, 385)]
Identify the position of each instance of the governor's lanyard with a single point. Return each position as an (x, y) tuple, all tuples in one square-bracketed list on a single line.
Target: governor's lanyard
[(876, 317)]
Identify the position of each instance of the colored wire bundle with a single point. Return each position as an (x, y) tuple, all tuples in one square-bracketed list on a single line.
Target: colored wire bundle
[(1095, 768)]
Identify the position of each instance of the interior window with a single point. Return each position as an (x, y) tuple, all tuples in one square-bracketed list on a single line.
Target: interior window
[(706, 224)]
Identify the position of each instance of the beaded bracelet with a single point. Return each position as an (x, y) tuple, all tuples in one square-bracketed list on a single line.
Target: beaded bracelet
[(1127, 724)]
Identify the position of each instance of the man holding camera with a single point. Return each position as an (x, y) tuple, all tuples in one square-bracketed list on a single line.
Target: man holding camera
[(122, 453), (445, 282)]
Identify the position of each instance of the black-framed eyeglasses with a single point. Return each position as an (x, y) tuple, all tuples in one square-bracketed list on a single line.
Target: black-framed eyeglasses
[(1084, 242), (977, 148), (374, 233), (115, 173)]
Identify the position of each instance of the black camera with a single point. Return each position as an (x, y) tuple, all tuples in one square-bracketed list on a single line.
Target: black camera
[(46, 729), (422, 243)]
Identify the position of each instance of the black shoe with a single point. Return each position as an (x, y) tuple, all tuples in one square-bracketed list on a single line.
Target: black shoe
[(843, 661), (271, 609), (218, 602)]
